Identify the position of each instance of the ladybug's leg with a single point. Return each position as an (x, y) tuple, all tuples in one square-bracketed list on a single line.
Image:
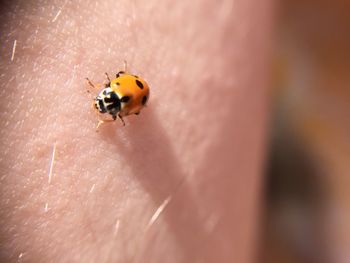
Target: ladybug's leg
[(95, 87), (125, 66), (100, 122), (93, 105), (90, 83), (109, 80), (123, 71), (108, 77), (120, 73), (121, 118)]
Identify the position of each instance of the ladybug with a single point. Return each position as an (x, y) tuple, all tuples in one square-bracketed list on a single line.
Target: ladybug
[(125, 95)]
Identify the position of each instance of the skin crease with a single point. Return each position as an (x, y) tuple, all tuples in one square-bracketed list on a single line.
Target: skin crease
[(199, 142)]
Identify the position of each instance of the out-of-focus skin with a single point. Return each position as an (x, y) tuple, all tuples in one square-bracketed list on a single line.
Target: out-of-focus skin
[(199, 142), (314, 45)]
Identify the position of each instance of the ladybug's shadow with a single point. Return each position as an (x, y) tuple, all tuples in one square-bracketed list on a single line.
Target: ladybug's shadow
[(149, 154)]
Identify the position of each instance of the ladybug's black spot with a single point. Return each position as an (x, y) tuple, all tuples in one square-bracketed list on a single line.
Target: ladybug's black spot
[(117, 83), (136, 76), (139, 83), (144, 100), (125, 99), (137, 113)]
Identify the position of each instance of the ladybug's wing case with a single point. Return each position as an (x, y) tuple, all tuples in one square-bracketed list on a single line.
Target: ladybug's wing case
[(132, 91)]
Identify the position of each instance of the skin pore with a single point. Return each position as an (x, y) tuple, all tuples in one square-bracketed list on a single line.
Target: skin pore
[(193, 156)]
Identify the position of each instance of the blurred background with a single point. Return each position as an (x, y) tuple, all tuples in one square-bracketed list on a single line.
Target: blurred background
[(308, 173)]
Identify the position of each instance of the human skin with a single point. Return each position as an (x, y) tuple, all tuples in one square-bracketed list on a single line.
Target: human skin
[(198, 145)]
